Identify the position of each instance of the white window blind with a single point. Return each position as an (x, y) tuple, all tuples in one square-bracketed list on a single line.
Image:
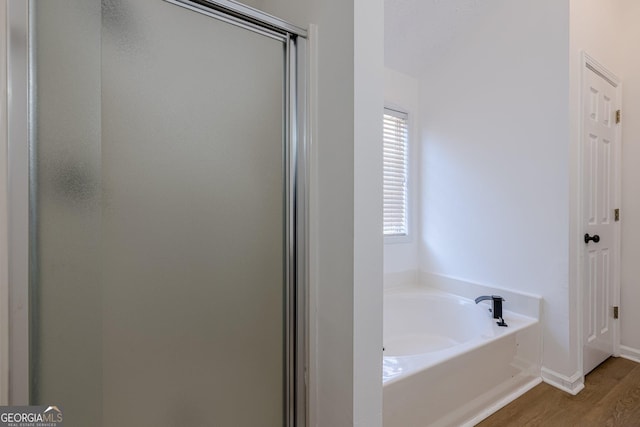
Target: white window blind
[(395, 139)]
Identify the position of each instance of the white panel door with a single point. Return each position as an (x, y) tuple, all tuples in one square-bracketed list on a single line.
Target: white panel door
[(599, 198)]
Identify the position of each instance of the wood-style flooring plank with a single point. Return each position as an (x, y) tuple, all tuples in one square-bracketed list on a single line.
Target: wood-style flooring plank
[(621, 406), (611, 397)]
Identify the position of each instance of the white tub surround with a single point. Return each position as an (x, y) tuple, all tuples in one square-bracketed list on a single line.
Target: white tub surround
[(447, 362), (527, 304)]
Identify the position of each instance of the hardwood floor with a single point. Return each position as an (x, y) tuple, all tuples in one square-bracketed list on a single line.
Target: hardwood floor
[(611, 397)]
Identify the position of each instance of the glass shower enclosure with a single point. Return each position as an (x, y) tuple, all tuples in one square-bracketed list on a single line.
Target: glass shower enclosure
[(167, 206)]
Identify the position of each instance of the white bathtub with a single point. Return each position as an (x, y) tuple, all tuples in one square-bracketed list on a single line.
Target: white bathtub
[(447, 362)]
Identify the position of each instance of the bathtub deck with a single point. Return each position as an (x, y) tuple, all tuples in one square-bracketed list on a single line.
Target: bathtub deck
[(611, 398)]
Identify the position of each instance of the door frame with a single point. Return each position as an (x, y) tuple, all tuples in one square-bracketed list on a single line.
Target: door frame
[(15, 190), (590, 64)]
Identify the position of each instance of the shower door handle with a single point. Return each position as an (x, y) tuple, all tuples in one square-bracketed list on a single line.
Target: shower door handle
[(595, 238)]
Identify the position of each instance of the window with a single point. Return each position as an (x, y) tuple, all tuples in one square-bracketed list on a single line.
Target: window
[(395, 139)]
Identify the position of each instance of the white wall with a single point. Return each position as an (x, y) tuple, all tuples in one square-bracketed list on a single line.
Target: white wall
[(495, 184), (347, 250), (630, 277), (368, 96), (401, 257)]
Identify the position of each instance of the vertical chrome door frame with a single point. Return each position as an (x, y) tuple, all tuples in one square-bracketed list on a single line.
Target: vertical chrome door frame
[(297, 324), (21, 208)]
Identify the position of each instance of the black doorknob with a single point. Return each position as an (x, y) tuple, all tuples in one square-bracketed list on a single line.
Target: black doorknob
[(595, 238)]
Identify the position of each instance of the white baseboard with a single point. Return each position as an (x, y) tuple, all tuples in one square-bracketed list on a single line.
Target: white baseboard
[(572, 385), (630, 353)]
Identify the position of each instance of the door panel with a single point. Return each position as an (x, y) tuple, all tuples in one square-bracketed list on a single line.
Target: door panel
[(179, 214), (599, 198)]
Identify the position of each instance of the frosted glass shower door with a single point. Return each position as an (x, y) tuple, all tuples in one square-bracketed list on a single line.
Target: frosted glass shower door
[(159, 298)]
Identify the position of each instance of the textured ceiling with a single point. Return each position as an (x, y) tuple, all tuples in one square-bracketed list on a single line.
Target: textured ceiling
[(417, 32)]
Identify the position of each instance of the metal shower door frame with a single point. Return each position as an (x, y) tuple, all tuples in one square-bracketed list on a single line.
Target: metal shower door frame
[(20, 190)]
